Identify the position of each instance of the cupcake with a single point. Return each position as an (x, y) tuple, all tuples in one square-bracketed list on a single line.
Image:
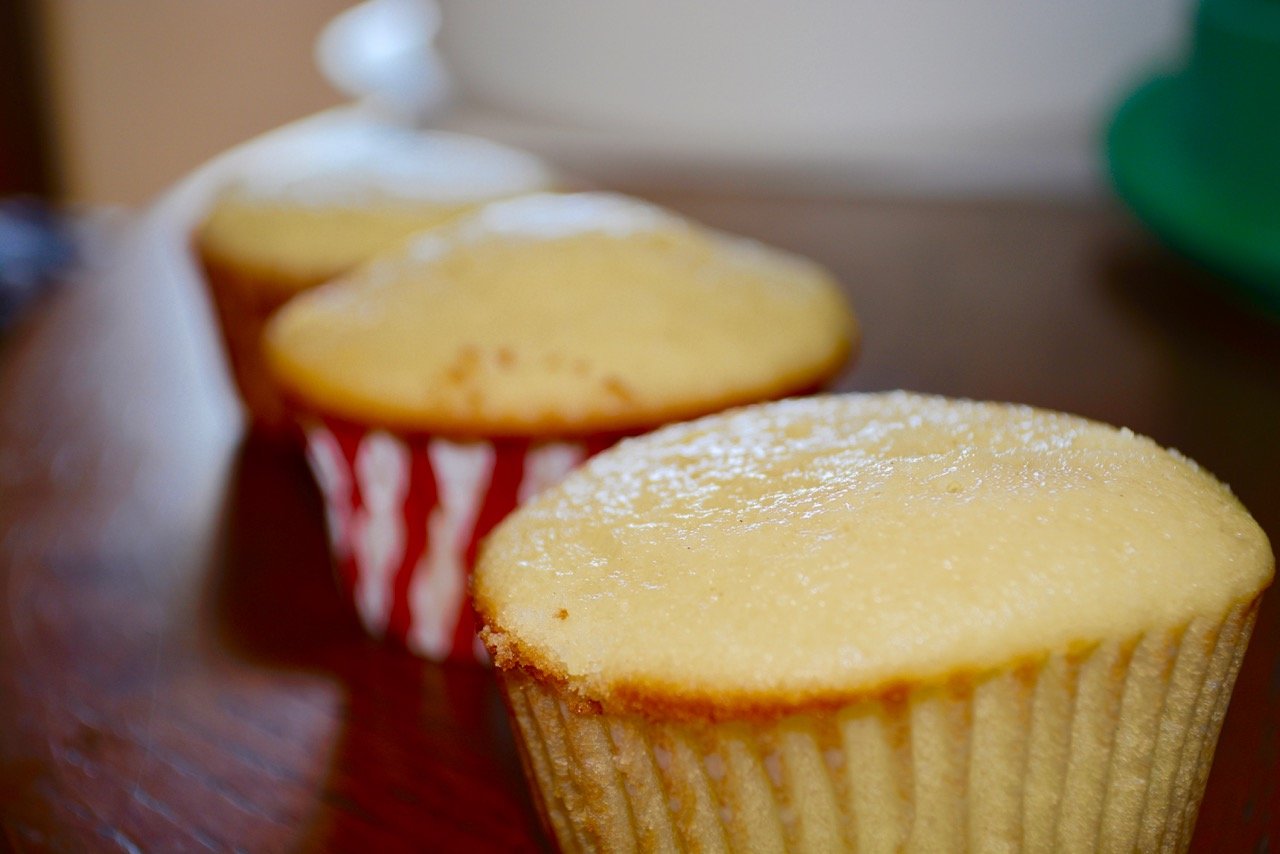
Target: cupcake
[(443, 385), (877, 623), (324, 201)]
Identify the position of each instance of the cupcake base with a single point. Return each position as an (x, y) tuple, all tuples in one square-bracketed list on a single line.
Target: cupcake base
[(406, 514), (243, 307), (1103, 749)]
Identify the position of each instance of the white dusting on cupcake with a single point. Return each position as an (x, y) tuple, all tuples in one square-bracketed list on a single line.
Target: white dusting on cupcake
[(352, 163)]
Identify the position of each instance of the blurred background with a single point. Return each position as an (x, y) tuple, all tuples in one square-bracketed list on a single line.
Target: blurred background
[(108, 102)]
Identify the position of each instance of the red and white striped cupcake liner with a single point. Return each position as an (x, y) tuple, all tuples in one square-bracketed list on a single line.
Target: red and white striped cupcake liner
[(406, 514)]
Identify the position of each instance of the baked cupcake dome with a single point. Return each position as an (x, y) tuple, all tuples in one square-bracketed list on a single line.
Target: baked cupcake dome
[(328, 199), (325, 200), (873, 621), (561, 314)]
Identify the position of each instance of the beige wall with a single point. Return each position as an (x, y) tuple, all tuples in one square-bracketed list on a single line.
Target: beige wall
[(145, 90)]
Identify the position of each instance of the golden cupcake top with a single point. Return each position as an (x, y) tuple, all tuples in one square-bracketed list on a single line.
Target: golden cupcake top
[(320, 202), (561, 315), (821, 549)]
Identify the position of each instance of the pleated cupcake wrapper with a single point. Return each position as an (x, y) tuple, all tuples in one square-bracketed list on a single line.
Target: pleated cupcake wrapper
[(1105, 750), (406, 513), (243, 307)]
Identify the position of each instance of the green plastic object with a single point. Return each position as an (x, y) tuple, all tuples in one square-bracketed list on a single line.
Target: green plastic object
[(1196, 152)]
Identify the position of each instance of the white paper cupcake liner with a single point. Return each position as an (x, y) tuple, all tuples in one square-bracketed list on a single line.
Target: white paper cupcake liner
[(1105, 749)]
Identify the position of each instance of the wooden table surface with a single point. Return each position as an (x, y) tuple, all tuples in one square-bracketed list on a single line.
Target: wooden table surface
[(177, 671)]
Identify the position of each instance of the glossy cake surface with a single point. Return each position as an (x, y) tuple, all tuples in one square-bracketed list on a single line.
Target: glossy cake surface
[(817, 550)]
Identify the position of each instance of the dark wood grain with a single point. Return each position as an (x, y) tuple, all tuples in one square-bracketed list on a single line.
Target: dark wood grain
[(177, 671)]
